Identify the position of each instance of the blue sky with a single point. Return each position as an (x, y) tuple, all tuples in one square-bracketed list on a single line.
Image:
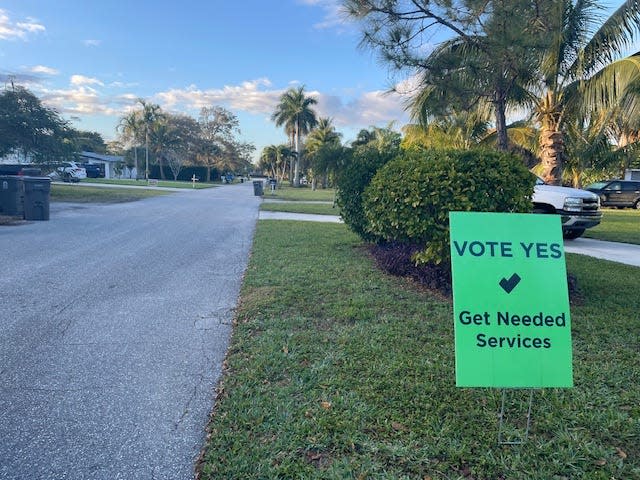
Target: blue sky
[(92, 59)]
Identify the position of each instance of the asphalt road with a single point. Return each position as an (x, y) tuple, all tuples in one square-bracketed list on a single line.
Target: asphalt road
[(114, 322)]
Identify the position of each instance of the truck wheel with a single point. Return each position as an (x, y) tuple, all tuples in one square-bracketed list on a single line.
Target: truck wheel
[(572, 234), (637, 204)]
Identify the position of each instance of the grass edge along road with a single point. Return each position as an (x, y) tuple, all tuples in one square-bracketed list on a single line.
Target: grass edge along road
[(75, 194), (336, 370), (143, 183)]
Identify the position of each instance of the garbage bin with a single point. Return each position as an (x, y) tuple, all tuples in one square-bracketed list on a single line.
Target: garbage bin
[(11, 201), (257, 188), (36, 197)]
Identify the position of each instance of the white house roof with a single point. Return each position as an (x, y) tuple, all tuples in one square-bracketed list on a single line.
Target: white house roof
[(102, 158)]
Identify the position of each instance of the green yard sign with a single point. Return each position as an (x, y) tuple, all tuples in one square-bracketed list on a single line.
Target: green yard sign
[(511, 305)]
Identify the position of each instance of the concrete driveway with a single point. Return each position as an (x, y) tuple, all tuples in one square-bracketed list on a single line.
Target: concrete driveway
[(114, 322)]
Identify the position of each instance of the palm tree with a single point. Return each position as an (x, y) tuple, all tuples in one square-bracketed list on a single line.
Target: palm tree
[(324, 133), (268, 159), (295, 114), (583, 71), (129, 128), (457, 130), (148, 117), (321, 144), (284, 155)]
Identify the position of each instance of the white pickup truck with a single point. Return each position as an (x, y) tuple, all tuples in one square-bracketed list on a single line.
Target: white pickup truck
[(578, 209)]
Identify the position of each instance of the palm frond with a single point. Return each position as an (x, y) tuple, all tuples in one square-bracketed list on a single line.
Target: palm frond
[(607, 88), (616, 35)]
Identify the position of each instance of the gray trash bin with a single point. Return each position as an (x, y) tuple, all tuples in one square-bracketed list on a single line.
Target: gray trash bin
[(11, 193), (257, 188), (37, 192)]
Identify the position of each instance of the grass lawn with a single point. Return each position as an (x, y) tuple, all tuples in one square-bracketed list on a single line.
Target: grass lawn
[(73, 193), (285, 192), (617, 226), (336, 370), (143, 183), (312, 208)]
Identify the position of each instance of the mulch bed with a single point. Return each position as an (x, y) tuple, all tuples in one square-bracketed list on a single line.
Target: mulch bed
[(395, 259)]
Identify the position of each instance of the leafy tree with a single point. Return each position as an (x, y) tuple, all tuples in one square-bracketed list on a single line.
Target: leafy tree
[(294, 112), (218, 126), (174, 136), (493, 51), (30, 129), (86, 141)]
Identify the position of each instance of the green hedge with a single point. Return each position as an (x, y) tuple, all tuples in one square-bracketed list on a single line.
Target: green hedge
[(352, 179), (409, 199)]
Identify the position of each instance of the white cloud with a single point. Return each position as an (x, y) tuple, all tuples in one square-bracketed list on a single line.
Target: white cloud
[(89, 97), (10, 30), (369, 108), (251, 96), (79, 80), (84, 100), (43, 69), (255, 97), (334, 16), (123, 84), (92, 43)]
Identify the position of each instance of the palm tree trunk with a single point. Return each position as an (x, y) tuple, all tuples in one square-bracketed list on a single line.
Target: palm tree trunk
[(552, 156), (135, 160), (296, 180), (162, 176), (501, 125), (146, 155)]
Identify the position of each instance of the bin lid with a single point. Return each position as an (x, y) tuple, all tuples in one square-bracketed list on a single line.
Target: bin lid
[(36, 179)]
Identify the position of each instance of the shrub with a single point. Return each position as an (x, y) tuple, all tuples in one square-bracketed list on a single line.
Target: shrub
[(352, 179), (410, 198)]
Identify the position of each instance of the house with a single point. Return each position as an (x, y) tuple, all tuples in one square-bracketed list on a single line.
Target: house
[(109, 162), (632, 174)]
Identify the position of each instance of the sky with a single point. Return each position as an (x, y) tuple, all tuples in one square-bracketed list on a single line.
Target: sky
[(91, 60)]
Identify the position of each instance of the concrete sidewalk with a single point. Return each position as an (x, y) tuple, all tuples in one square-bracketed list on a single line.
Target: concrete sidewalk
[(305, 217), (626, 253)]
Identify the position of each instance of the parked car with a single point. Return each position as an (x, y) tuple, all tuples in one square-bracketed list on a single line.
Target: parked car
[(71, 172), (93, 170), (617, 193), (578, 209)]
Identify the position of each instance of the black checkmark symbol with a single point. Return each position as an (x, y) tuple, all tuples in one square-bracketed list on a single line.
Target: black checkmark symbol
[(509, 285)]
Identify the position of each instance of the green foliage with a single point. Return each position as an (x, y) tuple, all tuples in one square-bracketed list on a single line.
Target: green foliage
[(410, 198), (353, 178), (30, 129)]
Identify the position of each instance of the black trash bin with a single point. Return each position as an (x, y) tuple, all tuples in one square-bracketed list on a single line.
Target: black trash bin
[(37, 192), (257, 188), (11, 193)]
